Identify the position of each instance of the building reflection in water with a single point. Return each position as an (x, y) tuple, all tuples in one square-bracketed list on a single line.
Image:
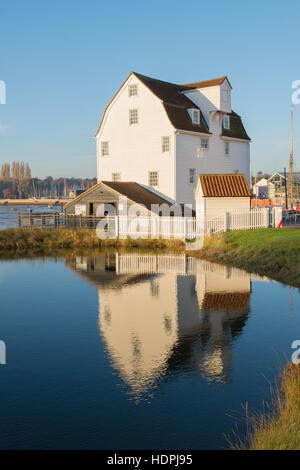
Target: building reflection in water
[(160, 315)]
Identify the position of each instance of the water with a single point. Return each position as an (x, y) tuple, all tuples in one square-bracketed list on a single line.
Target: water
[(129, 351), (9, 213)]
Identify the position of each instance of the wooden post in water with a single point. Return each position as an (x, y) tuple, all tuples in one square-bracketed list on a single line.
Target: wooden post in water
[(43, 220), (19, 220)]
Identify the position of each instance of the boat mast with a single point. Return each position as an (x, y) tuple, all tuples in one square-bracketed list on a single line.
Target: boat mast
[(291, 157)]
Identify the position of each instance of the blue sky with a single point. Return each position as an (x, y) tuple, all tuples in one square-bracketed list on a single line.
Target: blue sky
[(62, 61)]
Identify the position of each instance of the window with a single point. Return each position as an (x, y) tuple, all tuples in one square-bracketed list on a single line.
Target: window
[(204, 143), (133, 116), (132, 90), (195, 116), (192, 175), (153, 178), (226, 122), (227, 148), (116, 176), (165, 144), (104, 149)]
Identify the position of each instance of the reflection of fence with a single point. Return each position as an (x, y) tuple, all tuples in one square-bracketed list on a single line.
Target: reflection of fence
[(153, 226)]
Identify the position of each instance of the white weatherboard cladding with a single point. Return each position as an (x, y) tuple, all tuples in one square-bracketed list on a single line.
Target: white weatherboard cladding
[(134, 150), (213, 160), (216, 206)]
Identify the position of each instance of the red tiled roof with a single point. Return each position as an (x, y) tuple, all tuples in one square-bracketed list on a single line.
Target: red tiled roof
[(231, 185), (227, 301)]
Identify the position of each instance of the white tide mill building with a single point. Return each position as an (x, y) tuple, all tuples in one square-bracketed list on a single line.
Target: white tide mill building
[(163, 135)]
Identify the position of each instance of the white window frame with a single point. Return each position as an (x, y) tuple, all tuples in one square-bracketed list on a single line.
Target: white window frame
[(132, 90), (227, 149), (114, 178), (133, 117), (195, 112), (226, 122), (202, 146), (151, 176), (165, 144), (105, 148), (192, 172)]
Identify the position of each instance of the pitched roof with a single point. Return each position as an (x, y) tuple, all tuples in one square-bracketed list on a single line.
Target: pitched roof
[(133, 191), (206, 83), (180, 119), (230, 185), (137, 193), (237, 130), (175, 104)]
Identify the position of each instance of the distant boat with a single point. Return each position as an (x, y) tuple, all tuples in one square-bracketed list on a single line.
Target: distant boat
[(28, 210), (50, 206)]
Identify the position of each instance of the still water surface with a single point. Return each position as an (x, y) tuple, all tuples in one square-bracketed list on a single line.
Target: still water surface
[(136, 351), (9, 213)]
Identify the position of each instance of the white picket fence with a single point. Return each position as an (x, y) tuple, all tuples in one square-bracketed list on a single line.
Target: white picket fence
[(185, 227), (246, 220)]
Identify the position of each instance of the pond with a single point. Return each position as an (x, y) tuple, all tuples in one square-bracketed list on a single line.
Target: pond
[(136, 351)]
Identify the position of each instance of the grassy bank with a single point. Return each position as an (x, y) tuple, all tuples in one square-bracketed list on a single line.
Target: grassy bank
[(17, 241), (279, 429), (270, 252)]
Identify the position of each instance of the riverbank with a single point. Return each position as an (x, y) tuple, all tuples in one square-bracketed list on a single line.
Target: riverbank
[(269, 252), (30, 202), (278, 429), (19, 241)]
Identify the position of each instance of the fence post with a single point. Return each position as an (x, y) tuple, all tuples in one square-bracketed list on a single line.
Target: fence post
[(267, 222), (277, 217), (226, 221)]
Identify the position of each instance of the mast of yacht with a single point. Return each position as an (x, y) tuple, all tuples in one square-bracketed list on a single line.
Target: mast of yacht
[(291, 157)]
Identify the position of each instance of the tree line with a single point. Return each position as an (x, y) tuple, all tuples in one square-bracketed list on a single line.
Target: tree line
[(16, 182)]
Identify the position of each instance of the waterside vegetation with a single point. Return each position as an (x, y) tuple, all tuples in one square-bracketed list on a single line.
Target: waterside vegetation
[(270, 252)]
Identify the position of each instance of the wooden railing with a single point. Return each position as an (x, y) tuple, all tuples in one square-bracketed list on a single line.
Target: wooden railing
[(58, 220)]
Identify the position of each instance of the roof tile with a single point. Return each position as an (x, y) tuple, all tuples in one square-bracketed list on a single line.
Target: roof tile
[(225, 185)]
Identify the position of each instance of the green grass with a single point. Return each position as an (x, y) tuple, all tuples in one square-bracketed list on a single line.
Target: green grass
[(280, 428), (270, 252), (19, 241)]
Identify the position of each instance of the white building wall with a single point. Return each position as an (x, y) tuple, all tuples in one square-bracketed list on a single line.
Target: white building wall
[(213, 160), (216, 206), (134, 150)]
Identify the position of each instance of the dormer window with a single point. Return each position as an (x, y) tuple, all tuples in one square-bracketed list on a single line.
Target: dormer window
[(195, 116), (226, 122), (132, 90)]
